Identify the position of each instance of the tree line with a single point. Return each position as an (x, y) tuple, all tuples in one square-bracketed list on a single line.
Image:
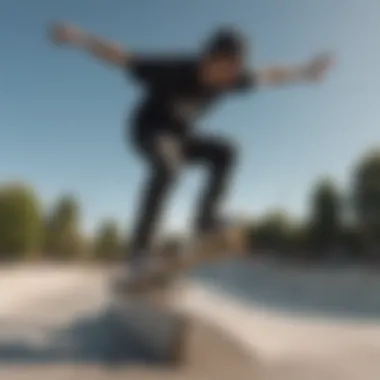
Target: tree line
[(346, 222), (27, 231)]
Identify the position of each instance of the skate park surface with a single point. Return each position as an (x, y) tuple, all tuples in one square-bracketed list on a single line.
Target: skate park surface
[(248, 320)]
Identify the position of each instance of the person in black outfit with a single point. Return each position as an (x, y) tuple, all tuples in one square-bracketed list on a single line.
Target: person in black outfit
[(179, 89)]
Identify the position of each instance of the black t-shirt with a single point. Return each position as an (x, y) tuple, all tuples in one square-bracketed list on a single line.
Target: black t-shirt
[(174, 97)]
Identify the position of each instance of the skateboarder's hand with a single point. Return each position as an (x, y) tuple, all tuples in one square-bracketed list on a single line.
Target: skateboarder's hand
[(64, 33), (317, 67)]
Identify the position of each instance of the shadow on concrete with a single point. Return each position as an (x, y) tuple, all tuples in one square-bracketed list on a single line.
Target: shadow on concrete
[(100, 339), (210, 354)]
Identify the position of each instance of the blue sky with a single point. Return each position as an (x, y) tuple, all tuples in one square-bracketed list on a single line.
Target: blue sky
[(63, 114)]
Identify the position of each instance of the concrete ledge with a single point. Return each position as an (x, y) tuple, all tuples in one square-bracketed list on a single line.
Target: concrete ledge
[(159, 329)]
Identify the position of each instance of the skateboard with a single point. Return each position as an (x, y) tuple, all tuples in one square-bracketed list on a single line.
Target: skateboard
[(148, 305), (232, 242)]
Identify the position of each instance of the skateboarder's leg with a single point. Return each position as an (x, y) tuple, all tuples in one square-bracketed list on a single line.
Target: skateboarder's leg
[(219, 157), (164, 155)]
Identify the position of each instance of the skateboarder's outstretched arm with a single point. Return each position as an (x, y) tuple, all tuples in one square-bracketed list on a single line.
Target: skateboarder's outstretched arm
[(312, 71), (102, 49)]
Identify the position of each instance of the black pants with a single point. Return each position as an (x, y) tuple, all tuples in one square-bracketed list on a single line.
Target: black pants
[(166, 155)]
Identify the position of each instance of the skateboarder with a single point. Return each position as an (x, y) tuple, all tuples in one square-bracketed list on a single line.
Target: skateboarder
[(179, 89)]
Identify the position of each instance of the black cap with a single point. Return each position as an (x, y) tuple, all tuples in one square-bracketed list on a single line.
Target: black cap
[(225, 41)]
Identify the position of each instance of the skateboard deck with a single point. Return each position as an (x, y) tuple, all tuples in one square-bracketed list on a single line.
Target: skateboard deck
[(230, 243)]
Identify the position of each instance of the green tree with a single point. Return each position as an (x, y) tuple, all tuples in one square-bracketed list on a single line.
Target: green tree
[(108, 243), (272, 232), (366, 198), (21, 222), (63, 238), (353, 242), (325, 221), (366, 192), (299, 239)]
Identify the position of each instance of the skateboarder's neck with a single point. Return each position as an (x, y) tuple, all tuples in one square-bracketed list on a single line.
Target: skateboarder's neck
[(219, 71)]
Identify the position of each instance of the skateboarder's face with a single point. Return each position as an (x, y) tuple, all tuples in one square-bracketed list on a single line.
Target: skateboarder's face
[(222, 70)]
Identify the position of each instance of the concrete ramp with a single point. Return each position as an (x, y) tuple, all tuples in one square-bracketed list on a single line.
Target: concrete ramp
[(210, 355), (65, 330), (70, 332)]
